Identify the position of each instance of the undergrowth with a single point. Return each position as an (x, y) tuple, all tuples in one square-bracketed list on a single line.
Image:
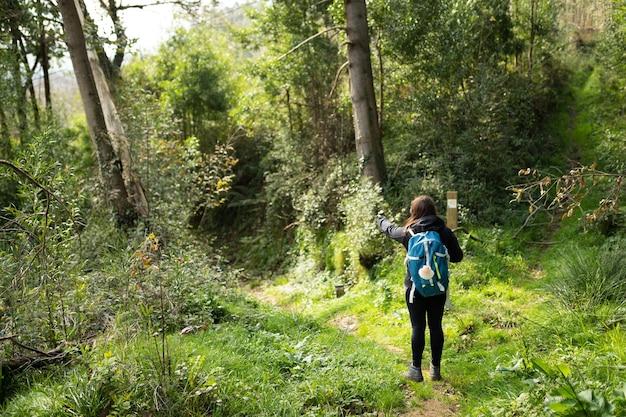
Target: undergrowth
[(257, 361), (509, 339)]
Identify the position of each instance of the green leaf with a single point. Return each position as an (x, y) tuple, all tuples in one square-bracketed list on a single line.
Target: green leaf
[(562, 406), (567, 392), (564, 370), (543, 367), (586, 396)]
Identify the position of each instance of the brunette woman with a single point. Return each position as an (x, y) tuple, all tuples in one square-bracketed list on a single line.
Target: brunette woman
[(423, 217)]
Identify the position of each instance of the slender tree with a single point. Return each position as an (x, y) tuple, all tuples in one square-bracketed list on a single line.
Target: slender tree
[(29, 37), (11, 23), (123, 187), (366, 128)]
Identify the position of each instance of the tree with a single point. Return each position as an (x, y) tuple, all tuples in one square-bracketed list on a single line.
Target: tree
[(312, 76), (29, 38), (304, 79), (123, 188), (459, 105), (112, 66), (193, 81), (367, 131)]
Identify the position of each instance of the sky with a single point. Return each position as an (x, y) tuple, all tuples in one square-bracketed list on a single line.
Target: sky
[(150, 26)]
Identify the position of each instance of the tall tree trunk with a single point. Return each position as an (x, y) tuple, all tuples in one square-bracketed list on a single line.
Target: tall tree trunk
[(531, 42), (369, 146), (123, 187), (43, 57), (45, 67), (20, 90), (5, 136), (30, 86)]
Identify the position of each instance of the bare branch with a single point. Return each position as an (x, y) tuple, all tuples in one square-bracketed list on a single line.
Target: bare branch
[(562, 194), (185, 5), (471, 236), (36, 183), (4, 338), (57, 355), (307, 40), (32, 349), (344, 66)]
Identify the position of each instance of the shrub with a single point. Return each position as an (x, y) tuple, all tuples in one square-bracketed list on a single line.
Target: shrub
[(585, 280), (359, 208)]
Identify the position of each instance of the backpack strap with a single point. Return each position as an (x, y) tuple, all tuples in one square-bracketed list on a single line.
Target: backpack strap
[(412, 293)]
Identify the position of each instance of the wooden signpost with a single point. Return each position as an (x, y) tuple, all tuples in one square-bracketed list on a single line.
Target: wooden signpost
[(452, 212)]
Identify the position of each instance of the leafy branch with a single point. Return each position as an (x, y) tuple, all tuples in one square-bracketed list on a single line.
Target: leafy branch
[(36, 183), (562, 194), (567, 401)]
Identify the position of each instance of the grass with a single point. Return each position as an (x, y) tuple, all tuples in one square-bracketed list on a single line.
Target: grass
[(259, 361), (503, 317), (314, 354)]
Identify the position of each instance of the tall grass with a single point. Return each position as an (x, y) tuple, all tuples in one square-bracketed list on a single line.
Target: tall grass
[(591, 282), (259, 361)]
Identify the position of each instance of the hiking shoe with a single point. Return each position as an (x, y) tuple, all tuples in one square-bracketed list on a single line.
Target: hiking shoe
[(435, 373), (414, 374)]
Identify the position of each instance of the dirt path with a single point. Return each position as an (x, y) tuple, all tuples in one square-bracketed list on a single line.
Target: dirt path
[(430, 407)]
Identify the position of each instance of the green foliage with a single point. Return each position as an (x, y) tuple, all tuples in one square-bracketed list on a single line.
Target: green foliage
[(192, 81), (69, 274), (471, 113), (584, 281), (298, 109), (440, 33), (160, 289), (212, 176), (349, 252), (320, 199), (36, 234), (336, 260), (610, 138), (259, 362), (359, 209), (565, 400), (306, 100)]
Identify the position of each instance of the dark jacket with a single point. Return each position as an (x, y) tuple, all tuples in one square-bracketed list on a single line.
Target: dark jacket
[(426, 223)]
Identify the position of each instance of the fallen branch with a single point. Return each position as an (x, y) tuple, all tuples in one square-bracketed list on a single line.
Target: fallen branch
[(19, 363), (57, 355), (23, 346), (546, 243), (3, 338)]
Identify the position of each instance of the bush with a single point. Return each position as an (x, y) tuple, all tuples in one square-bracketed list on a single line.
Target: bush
[(367, 243), (585, 280)]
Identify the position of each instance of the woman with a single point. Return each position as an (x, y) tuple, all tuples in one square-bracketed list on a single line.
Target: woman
[(423, 217)]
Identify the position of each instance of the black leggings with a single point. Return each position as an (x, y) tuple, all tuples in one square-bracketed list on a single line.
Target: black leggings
[(419, 310)]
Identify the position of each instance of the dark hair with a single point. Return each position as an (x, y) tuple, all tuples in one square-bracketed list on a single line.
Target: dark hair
[(421, 206)]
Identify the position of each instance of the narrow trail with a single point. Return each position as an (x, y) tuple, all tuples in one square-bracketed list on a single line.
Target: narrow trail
[(416, 407)]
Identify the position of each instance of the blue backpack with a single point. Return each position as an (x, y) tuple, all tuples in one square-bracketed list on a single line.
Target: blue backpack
[(427, 260)]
